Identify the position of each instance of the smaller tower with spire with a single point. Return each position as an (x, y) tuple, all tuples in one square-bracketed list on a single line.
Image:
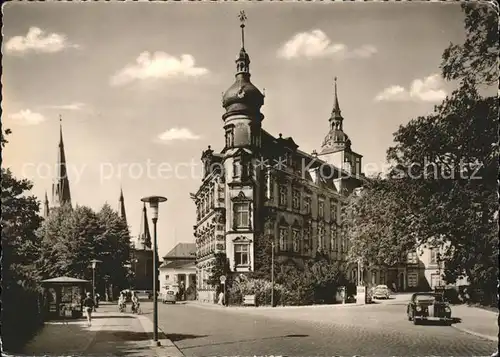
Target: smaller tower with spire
[(336, 147), (144, 237), (121, 207), (46, 209)]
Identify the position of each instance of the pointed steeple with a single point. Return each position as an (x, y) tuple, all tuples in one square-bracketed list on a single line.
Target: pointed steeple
[(144, 238), (46, 209), (243, 61), (121, 208), (336, 139), (336, 117), (60, 190)]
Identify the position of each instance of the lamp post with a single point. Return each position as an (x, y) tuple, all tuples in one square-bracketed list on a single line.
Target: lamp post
[(272, 273), (94, 264), (154, 202)]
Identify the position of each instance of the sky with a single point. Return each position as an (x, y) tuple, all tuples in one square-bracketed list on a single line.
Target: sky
[(139, 87)]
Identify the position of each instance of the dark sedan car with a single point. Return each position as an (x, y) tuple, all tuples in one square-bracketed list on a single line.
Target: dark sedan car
[(428, 307)]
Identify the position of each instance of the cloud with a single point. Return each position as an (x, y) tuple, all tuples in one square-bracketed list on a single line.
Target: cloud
[(177, 134), (36, 40), (71, 106), (27, 117), (428, 89), (158, 65), (316, 44)]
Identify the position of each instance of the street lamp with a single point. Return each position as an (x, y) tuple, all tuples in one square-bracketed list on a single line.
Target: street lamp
[(94, 264), (154, 202), (272, 273)]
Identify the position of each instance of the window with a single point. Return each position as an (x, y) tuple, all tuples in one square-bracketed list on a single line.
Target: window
[(236, 168), (296, 240), (242, 215), (321, 209), (307, 205), (241, 254), (283, 239), (320, 237), (283, 195), (229, 138), (166, 277), (435, 280), (333, 211), (307, 239), (434, 259), (333, 238), (269, 185), (412, 258), (296, 199)]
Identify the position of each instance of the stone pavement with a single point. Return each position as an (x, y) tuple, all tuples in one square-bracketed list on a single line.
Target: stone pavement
[(111, 334), (476, 321)]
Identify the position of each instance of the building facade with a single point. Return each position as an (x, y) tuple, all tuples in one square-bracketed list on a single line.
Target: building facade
[(178, 270), (262, 187)]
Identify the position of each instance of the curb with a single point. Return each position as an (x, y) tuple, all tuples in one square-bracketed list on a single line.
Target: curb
[(477, 334), (262, 308), (167, 347)]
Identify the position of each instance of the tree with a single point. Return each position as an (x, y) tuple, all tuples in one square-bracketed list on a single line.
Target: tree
[(20, 220), (113, 246), (220, 268), (374, 223), (446, 166), (20, 246), (477, 59), (71, 238)]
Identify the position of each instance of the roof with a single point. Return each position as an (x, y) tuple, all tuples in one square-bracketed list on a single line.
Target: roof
[(182, 250), (64, 280), (178, 264)]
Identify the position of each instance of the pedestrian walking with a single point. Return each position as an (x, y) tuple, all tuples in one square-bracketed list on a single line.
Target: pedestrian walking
[(89, 305), (97, 299)]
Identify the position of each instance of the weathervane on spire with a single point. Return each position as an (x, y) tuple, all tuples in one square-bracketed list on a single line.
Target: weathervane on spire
[(243, 17)]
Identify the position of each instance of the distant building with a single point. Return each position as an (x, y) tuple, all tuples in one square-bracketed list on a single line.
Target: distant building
[(141, 254), (261, 187), (179, 269)]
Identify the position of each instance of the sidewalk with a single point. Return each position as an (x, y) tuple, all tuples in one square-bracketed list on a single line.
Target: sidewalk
[(476, 321), (111, 334)]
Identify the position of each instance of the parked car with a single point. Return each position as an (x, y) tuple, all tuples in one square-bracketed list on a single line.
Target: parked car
[(381, 292), (169, 296), (428, 307)]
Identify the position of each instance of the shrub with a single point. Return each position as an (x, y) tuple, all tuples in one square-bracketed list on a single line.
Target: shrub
[(260, 288)]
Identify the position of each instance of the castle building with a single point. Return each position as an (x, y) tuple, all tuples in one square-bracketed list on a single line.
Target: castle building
[(262, 187)]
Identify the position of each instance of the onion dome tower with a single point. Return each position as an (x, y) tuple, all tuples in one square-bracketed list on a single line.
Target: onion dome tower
[(243, 98)]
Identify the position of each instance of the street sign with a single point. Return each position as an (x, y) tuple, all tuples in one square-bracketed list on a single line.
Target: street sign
[(222, 279)]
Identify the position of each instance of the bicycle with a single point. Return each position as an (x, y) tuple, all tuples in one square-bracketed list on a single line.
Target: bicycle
[(137, 309), (122, 307)]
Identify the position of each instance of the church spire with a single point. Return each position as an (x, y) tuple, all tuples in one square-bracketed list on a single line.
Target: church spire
[(243, 61), (46, 209), (336, 117), (121, 209), (60, 189), (144, 237)]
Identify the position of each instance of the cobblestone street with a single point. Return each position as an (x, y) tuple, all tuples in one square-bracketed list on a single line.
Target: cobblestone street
[(372, 330)]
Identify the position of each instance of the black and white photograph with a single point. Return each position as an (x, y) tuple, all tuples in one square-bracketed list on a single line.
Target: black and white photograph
[(250, 178)]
